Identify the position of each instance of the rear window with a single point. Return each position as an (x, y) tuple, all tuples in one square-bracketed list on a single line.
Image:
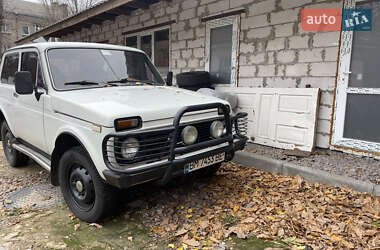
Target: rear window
[(10, 67)]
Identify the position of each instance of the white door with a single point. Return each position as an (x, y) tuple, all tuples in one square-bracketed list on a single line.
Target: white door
[(356, 119), (29, 111), (10, 66), (280, 117)]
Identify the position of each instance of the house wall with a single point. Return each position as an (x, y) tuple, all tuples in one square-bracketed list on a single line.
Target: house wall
[(274, 51)]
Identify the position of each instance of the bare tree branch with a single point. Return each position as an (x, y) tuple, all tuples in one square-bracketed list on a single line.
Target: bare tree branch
[(73, 6)]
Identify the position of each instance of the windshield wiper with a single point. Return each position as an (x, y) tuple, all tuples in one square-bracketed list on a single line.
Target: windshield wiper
[(84, 83), (129, 80)]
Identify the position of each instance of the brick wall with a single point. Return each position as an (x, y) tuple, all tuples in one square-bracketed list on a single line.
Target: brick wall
[(274, 50)]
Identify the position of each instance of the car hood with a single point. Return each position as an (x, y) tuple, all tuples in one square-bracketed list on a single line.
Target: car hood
[(103, 105)]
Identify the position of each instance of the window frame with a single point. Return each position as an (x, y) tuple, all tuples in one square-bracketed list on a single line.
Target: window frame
[(6, 31), (152, 33), (3, 61), (221, 22), (337, 139), (39, 66), (22, 30)]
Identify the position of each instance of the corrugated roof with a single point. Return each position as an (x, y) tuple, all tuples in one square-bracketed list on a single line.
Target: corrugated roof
[(97, 13)]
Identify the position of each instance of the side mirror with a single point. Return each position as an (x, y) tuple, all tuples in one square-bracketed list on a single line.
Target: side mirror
[(169, 79), (24, 83)]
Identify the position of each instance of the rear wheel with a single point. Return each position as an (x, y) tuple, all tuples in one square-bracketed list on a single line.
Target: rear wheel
[(14, 158), (85, 192)]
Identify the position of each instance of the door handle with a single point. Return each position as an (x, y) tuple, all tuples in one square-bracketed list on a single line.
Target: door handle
[(15, 94), (347, 72)]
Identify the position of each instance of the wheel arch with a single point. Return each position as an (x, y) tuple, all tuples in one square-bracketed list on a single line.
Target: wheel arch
[(64, 142)]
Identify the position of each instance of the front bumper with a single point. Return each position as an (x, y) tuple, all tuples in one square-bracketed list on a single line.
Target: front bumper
[(173, 166), (168, 170)]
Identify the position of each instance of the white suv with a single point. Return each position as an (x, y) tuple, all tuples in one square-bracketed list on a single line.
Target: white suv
[(100, 118)]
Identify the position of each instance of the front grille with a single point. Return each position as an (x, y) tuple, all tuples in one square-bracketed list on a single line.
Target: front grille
[(154, 146)]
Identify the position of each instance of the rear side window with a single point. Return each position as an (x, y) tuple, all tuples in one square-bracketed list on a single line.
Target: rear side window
[(29, 62), (10, 67)]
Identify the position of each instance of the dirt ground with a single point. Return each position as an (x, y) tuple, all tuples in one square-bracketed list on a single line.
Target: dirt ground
[(239, 208)]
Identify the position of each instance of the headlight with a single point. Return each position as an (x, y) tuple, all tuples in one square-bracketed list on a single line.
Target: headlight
[(189, 135), (129, 148), (217, 129)]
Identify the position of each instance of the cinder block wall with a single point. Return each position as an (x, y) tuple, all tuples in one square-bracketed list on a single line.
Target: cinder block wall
[(274, 51)]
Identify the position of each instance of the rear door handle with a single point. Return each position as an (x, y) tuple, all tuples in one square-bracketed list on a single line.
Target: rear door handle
[(15, 94)]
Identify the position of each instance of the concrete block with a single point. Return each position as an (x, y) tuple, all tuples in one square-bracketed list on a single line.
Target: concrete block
[(247, 71), (187, 14), (331, 54), (262, 7), (254, 22), (316, 175), (286, 4), (281, 82), (186, 35), (258, 161), (322, 140), (326, 39), (324, 83), (327, 98), (323, 69), (178, 45), (199, 53), (219, 6), (246, 48), (324, 126), (283, 30), (325, 112), (259, 33), (298, 42), (299, 69), (266, 70), (239, 3), (193, 63), (189, 4), (186, 53), (257, 58), (276, 44), (310, 55), (286, 16), (286, 56)]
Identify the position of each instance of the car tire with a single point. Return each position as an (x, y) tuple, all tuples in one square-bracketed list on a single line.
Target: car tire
[(86, 194), (14, 157), (193, 79)]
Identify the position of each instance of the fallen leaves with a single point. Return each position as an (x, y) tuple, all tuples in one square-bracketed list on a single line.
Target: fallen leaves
[(248, 202), (95, 225), (76, 227)]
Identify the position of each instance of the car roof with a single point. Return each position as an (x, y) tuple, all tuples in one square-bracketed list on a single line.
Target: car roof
[(53, 45)]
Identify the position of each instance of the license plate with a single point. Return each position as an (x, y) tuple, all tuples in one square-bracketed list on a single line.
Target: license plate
[(205, 162)]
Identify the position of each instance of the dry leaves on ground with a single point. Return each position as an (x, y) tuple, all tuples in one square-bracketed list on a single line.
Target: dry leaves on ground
[(249, 202)]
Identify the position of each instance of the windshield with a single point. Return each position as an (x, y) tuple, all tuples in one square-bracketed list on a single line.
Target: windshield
[(91, 68)]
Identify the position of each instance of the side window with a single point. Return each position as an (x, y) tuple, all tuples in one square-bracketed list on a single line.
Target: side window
[(29, 62), (10, 68)]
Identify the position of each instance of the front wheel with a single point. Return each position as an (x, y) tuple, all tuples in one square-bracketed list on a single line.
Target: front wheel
[(14, 158), (86, 194)]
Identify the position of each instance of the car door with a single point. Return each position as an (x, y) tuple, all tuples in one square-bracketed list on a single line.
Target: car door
[(29, 110), (10, 66)]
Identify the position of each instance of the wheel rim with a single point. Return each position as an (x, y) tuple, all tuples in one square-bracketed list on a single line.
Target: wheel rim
[(82, 187)]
